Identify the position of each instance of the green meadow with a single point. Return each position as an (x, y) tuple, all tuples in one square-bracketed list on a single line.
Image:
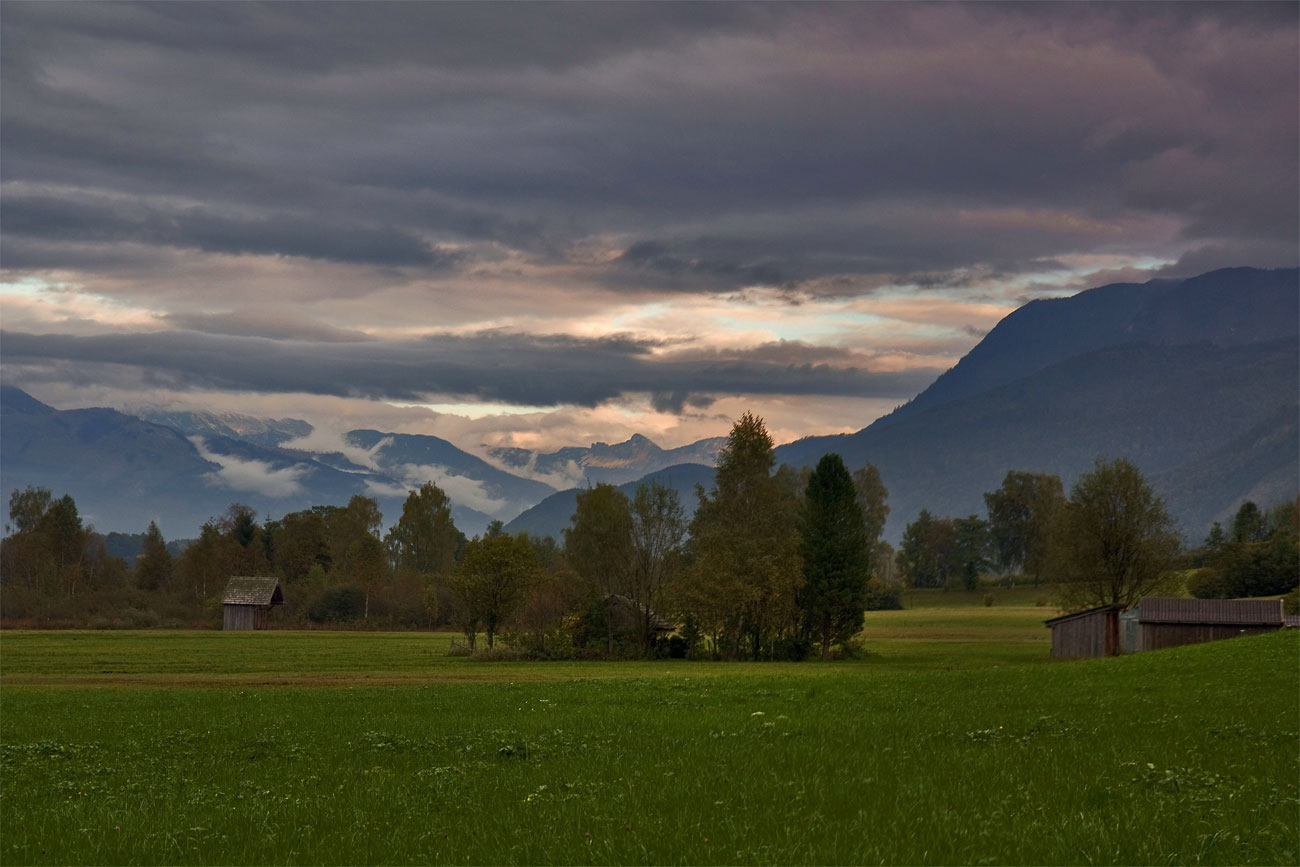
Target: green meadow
[(954, 740)]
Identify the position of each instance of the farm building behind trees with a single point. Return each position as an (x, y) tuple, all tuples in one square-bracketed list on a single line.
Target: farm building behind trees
[(1160, 622)]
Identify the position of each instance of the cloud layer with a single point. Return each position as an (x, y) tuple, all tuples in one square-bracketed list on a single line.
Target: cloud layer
[(574, 205)]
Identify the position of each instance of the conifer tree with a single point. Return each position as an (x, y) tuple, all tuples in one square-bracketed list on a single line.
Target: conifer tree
[(836, 556)]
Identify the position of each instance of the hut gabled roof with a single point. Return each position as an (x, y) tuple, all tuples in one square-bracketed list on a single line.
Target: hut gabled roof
[(1230, 612), (244, 590), (657, 623), (1084, 613)]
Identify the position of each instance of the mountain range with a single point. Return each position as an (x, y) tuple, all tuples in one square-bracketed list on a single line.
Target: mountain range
[(181, 468), (1197, 381), (612, 464)]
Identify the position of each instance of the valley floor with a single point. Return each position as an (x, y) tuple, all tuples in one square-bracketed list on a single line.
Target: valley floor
[(955, 741)]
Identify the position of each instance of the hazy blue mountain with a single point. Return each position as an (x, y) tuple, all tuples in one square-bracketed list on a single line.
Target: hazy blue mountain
[(613, 464), (271, 432), (1160, 406), (125, 472), (466, 478), (1229, 307), (553, 514)]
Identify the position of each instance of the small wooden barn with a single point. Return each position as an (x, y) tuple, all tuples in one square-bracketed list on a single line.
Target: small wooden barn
[(1159, 622), (628, 616), (247, 602), (1169, 622), (1094, 632)]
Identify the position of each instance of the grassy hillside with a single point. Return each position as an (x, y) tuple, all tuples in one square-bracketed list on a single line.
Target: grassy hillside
[(1178, 756)]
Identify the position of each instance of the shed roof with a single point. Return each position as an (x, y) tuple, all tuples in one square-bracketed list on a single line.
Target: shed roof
[(1073, 615), (243, 590), (1234, 612), (657, 623)]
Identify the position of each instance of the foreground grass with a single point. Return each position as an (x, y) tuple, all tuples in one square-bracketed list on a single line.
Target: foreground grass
[(1182, 756)]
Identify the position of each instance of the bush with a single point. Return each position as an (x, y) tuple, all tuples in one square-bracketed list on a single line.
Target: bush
[(497, 654), (1291, 602), (337, 604), (1208, 583), (882, 596), (851, 649), (988, 600), (791, 648)]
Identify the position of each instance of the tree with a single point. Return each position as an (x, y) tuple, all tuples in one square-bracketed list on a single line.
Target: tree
[(1248, 525), (366, 564), (153, 568), (27, 507), (744, 545), (207, 564), (599, 544), (922, 555), (491, 581), (658, 528), (301, 544), (1020, 513), (939, 552), (345, 526), (971, 535), (1113, 541), (424, 540), (836, 553), (872, 496)]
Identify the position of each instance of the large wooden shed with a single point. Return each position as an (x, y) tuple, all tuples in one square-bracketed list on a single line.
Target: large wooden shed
[(1170, 622), (1094, 632), (247, 602)]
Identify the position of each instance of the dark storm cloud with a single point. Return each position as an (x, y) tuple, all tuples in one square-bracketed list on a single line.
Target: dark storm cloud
[(106, 220), (495, 366), (737, 143)]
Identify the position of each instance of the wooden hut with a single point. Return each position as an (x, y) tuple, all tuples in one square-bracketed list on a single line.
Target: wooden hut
[(1094, 632), (247, 602), (628, 616), (1169, 622)]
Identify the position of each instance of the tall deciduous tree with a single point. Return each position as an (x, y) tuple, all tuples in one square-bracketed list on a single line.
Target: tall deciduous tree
[(1020, 513), (493, 576), (1113, 541), (424, 540), (658, 528), (836, 553), (599, 544), (745, 546), (366, 564), (872, 497)]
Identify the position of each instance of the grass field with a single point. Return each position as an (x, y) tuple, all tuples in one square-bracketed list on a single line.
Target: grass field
[(955, 741)]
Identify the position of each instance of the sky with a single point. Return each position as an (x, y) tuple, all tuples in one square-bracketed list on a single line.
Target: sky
[(545, 225)]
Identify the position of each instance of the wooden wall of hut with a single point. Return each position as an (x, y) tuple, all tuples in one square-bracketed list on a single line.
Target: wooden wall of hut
[(245, 616), (1086, 634), (1157, 636)]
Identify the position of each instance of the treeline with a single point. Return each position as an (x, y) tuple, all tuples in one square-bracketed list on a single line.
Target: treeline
[(1259, 555), (776, 563), (1111, 541)]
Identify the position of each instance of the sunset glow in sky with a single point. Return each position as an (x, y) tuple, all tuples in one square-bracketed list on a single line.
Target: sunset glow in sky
[(544, 225)]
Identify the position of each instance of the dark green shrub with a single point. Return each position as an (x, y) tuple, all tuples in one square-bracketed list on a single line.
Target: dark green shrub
[(337, 604), (882, 596), (1208, 583), (792, 648)]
